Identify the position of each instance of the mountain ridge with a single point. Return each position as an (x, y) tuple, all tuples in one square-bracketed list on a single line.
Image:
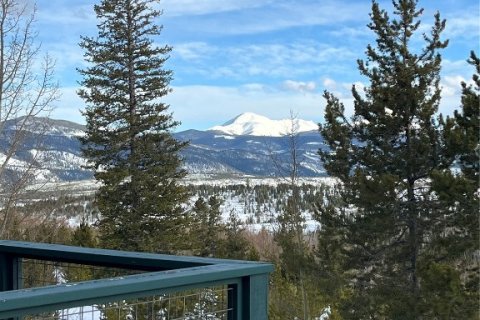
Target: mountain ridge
[(209, 152)]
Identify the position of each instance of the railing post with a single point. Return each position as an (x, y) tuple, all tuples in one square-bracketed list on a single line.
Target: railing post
[(234, 312), (10, 272), (250, 298)]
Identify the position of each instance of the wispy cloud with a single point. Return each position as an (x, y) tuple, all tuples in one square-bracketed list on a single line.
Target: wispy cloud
[(464, 25), (75, 14), (268, 16), (451, 85), (194, 51), (299, 86), (173, 8), (261, 60)]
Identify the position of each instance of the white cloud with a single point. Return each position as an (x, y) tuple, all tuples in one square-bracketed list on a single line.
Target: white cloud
[(68, 56), (255, 87), (329, 84), (73, 15), (195, 7), (463, 25), (453, 67), (353, 33), (299, 86), (194, 50), (451, 85), (453, 73)]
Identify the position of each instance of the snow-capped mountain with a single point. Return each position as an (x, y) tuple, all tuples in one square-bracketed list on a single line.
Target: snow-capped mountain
[(255, 147), (256, 125)]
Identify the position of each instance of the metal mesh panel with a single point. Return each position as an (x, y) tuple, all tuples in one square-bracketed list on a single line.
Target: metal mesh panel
[(38, 273), (202, 304)]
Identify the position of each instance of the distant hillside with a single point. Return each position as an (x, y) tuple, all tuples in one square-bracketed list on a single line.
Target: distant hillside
[(212, 152)]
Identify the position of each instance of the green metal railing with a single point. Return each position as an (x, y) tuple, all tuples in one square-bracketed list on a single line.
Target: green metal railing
[(154, 285)]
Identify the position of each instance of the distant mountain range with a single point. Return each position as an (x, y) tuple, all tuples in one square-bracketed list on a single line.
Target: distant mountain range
[(247, 145)]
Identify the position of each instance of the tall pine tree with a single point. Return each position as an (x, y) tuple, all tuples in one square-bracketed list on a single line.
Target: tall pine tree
[(458, 191), (388, 156), (208, 226), (128, 140)]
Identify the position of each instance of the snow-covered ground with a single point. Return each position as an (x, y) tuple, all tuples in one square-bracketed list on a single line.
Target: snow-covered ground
[(80, 313), (242, 204), (204, 179), (75, 188)]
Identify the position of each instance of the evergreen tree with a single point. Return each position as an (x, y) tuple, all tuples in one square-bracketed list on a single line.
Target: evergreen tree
[(235, 245), (331, 258), (458, 193), (128, 139), (387, 157), (464, 133), (84, 236), (208, 226)]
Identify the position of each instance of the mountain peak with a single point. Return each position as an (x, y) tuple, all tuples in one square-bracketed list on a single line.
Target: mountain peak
[(247, 117), (250, 123)]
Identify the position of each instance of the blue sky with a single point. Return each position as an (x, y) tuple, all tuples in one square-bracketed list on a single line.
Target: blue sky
[(262, 56)]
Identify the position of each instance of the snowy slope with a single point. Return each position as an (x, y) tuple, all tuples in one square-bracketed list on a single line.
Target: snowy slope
[(256, 125), (49, 144)]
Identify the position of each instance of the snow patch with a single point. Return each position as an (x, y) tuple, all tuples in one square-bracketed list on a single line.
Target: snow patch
[(224, 137)]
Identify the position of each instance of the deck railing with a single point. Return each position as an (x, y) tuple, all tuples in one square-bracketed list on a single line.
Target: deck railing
[(48, 281)]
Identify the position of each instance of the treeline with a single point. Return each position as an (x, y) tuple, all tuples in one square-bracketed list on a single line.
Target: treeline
[(261, 203)]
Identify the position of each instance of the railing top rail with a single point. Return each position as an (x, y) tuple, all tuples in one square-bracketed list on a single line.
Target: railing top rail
[(13, 303), (110, 258)]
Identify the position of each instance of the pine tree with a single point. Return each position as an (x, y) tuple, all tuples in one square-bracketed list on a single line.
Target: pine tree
[(331, 257), (386, 157), (468, 125), (128, 139), (458, 192), (235, 245), (208, 226), (84, 236)]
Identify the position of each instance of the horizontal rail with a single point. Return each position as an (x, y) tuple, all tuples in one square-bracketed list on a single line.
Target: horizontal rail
[(108, 258)]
